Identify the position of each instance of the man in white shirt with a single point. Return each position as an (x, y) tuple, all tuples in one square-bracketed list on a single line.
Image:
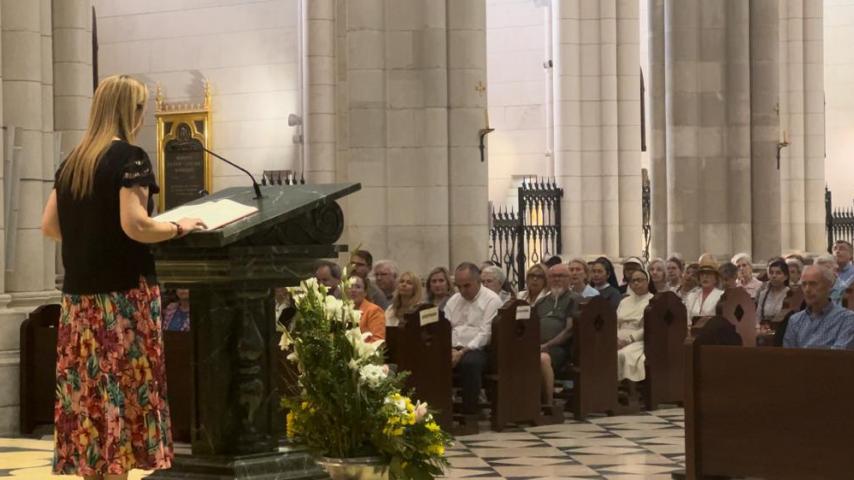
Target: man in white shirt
[(470, 312)]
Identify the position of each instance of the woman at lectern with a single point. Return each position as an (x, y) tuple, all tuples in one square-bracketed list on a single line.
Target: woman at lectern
[(111, 412)]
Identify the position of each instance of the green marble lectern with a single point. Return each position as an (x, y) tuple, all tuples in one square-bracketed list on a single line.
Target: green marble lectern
[(237, 422)]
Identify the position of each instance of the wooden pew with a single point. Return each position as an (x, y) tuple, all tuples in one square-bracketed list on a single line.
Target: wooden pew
[(738, 308), (425, 352), (38, 367), (514, 366), (178, 350), (769, 412), (665, 328), (594, 359)]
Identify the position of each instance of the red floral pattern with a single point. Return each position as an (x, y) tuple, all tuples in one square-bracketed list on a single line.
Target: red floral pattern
[(111, 412)]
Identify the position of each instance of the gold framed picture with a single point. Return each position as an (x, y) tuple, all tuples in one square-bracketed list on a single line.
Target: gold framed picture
[(183, 166)]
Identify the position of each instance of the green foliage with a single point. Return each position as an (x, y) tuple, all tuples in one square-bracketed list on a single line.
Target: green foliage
[(348, 404)]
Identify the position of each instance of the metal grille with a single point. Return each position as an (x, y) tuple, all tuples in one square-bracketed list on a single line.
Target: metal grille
[(531, 234), (839, 222)]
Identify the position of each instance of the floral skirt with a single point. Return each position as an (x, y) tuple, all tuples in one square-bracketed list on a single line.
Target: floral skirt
[(111, 412)]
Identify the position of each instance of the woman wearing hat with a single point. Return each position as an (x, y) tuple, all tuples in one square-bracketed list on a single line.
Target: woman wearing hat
[(701, 302)]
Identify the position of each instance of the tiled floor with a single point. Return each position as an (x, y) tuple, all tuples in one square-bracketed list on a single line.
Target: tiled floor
[(643, 446)]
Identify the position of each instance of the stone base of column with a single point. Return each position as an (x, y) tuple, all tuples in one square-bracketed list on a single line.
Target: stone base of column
[(290, 463)]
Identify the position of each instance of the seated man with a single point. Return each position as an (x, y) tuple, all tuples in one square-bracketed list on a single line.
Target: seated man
[(329, 274), (555, 312), (823, 324), (470, 312)]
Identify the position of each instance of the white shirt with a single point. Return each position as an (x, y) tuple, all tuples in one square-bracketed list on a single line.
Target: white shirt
[(471, 321), (697, 307)]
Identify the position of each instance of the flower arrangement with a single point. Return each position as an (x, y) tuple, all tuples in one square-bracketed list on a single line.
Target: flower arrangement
[(347, 403)]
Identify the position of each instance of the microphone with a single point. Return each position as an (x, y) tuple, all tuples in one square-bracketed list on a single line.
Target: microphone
[(198, 144)]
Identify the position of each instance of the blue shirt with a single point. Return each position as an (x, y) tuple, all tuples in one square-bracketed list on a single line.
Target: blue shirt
[(589, 292), (837, 291), (832, 328), (847, 274)]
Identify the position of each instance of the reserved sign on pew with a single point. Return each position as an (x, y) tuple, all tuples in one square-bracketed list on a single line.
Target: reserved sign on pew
[(428, 316), (523, 312)]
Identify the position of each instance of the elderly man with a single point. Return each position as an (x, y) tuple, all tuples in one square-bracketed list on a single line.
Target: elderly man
[(823, 324), (470, 312), (361, 263), (493, 278), (555, 312), (385, 275), (828, 262), (329, 274)]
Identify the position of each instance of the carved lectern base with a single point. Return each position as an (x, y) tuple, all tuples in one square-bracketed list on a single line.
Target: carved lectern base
[(288, 463)]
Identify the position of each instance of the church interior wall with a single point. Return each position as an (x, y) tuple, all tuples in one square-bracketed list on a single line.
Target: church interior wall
[(248, 51)]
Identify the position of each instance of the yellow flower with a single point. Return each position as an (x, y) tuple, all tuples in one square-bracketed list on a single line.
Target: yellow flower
[(436, 449), (433, 427), (292, 429), (304, 405)]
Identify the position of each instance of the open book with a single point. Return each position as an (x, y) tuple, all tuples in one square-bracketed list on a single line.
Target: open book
[(215, 214)]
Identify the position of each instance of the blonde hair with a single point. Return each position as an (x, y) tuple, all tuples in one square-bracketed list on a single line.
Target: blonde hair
[(400, 307), (116, 111)]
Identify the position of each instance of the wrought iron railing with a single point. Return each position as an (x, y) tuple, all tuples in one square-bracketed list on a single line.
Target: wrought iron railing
[(646, 203), (529, 235), (839, 222)]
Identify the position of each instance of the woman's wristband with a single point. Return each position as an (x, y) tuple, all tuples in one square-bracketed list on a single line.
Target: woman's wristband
[(178, 229)]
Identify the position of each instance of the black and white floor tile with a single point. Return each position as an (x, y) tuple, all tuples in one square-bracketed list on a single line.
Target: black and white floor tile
[(648, 445)]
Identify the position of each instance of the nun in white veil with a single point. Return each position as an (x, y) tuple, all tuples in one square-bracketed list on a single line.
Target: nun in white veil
[(630, 356)]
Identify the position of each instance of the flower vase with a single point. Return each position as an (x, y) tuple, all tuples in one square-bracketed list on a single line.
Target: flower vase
[(357, 468)]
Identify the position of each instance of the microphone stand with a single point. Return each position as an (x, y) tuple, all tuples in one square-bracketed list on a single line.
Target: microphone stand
[(254, 183)]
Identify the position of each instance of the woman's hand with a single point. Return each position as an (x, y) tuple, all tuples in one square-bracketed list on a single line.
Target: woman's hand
[(190, 225)]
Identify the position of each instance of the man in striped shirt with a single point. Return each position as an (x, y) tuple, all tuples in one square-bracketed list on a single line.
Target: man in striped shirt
[(823, 324)]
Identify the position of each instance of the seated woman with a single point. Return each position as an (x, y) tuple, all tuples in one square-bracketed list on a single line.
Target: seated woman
[(675, 269), (535, 280), (439, 287), (746, 280), (495, 279), (630, 348), (770, 300), (602, 278), (658, 274), (176, 317), (406, 298), (702, 301), (373, 318), (689, 282)]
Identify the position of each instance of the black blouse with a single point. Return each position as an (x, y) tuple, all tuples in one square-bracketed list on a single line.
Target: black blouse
[(98, 256)]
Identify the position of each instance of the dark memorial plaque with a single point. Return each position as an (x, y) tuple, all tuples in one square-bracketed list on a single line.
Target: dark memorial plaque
[(184, 169)]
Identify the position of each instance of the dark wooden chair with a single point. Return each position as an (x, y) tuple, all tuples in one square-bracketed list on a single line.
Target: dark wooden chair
[(38, 367), (739, 309), (514, 372), (425, 352), (739, 419), (665, 329), (594, 359)]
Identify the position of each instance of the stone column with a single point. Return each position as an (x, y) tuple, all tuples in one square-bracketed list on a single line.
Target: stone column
[(27, 77), (764, 127), (468, 195), (597, 111), (656, 130), (72, 70), (319, 119), (682, 51), (801, 86)]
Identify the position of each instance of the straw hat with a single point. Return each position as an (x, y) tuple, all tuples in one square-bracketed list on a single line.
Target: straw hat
[(708, 265)]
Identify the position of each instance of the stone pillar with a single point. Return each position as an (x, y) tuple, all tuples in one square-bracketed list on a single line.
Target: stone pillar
[(682, 114), (597, 110), (319, 118), (468, 195), (801, 86), (656, 129), (764, 127), (72, 70), (361, 66)]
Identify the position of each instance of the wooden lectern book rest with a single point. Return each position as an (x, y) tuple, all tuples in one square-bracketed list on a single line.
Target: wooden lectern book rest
[(215, 214)]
